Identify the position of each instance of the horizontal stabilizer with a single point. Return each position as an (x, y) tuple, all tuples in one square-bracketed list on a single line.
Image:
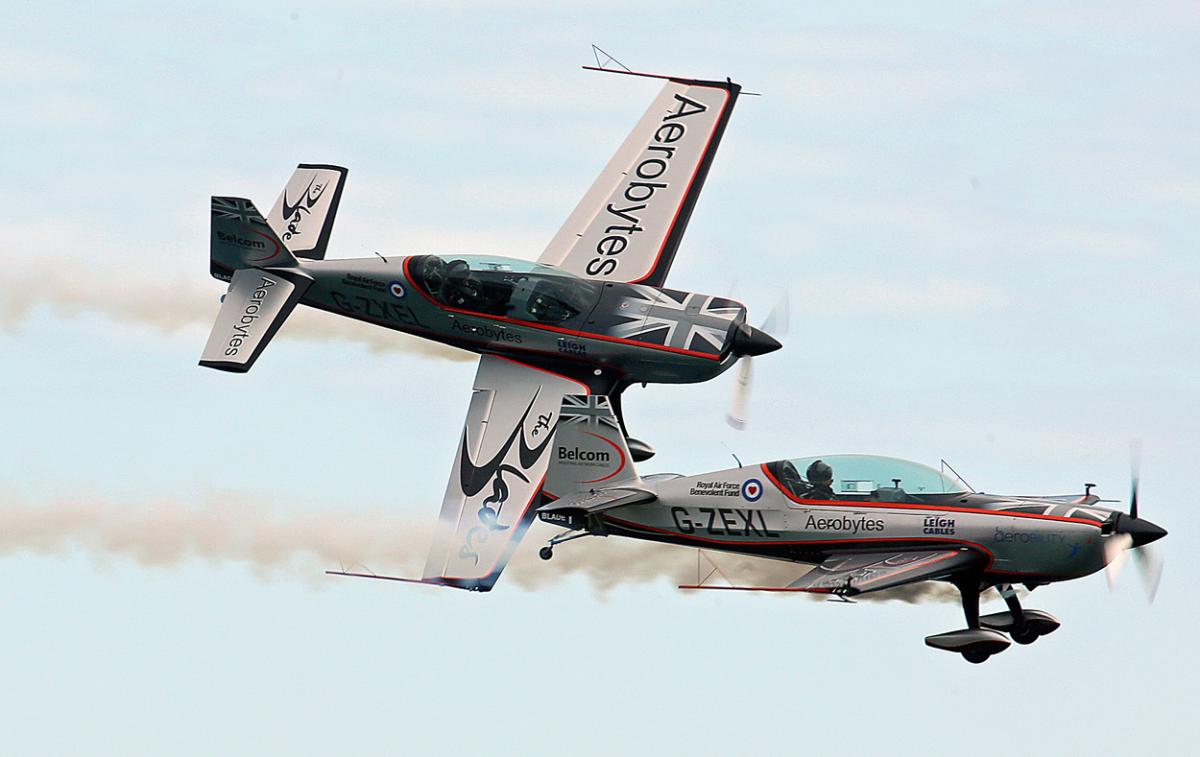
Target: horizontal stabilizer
[(600, 501), (252, 311)]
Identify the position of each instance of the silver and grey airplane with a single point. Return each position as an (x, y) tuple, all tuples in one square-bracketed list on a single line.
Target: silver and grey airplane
[(591, 315), (866, 522)]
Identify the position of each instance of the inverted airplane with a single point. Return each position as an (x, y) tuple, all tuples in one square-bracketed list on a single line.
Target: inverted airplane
[(591, 316)]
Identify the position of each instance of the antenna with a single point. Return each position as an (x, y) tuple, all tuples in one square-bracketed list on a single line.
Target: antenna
[(607, 59), (960, 478), (733, 454)]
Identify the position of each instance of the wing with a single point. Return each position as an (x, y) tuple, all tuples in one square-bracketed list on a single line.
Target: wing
[(858, 573), (496, 483), (629, 224)]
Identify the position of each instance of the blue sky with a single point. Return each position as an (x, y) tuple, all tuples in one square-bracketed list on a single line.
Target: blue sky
[(984, 214)]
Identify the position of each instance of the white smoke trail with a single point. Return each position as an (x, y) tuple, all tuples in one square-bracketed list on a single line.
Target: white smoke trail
[(169, 306), (232, 529)]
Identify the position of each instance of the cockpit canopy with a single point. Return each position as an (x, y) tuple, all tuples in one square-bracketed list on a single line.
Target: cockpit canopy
[(504, 287), (866, 477)]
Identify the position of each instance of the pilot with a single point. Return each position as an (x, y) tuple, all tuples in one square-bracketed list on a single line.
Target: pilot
[(820, 480)]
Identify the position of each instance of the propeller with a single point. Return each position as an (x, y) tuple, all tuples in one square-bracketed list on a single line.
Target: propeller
[(1131, 533), (776, 324)]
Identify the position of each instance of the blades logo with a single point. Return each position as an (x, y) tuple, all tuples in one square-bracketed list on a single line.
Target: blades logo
[(474, 478), (292, 213)]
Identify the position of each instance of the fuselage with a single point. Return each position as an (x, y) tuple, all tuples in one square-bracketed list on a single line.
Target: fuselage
[(603, 333), (748, 510)]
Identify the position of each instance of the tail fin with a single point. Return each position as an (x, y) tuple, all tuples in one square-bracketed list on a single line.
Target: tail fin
[(303, 215), (590, 452), (240, 238)]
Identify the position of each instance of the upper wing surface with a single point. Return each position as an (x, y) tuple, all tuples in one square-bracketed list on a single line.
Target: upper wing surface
[(629, 224), (496, 483)]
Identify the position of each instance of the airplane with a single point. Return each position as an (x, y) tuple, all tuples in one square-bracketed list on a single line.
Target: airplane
[(591, 315), (866, 522)]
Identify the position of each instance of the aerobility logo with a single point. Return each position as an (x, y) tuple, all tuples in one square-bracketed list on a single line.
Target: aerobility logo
[(647, 178)]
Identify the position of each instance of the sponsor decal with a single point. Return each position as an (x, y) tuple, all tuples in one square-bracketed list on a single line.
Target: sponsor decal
[(642, 182), (1027, 537), (722, 521), (568, 347), (363, 282), (752, 490), (396, 289), (861, 524), (485, 331), (250, 313), (238, 241), (938, 526), (587, 456), (716, 489)]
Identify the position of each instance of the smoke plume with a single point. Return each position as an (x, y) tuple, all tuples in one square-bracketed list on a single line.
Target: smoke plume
[(303, 544), (169, 306)]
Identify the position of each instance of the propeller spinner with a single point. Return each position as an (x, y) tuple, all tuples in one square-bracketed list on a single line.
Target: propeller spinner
[(1133, 533)]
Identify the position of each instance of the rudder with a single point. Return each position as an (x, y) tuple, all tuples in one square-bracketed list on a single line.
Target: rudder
[(590, 451), (240, 238)]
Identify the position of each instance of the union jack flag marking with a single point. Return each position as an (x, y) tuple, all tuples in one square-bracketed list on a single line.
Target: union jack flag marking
[(688, 321), (591, 410), (236, 209)]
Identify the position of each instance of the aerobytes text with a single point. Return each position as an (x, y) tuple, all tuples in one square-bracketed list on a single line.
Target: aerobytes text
[(647, 177), (844, 523), (250, 313)]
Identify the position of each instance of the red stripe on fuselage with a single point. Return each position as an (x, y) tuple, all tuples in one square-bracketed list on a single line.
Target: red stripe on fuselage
[(853, 504), (555, 329)]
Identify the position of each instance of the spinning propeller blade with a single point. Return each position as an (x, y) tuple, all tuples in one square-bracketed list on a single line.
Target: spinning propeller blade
[(1133, 533), (736, 416), (1115, 553), (776, 324), (1151, 567)]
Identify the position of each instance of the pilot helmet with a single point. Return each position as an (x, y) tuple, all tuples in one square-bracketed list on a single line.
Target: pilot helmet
[(819, 472)]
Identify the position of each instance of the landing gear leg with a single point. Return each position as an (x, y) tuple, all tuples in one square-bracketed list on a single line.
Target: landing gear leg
[(968, 588), (975, 643)]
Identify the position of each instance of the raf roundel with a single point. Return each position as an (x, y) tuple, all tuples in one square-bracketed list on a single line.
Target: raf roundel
[(752, 490), (397, 290)]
